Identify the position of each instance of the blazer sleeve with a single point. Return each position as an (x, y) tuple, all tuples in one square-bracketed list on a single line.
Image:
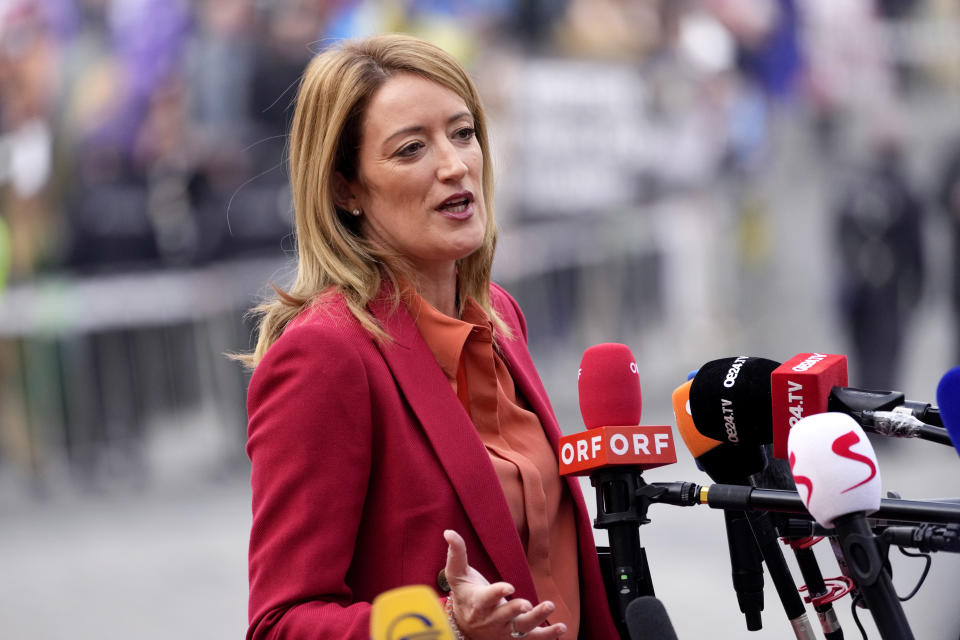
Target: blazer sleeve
[(309, 443)]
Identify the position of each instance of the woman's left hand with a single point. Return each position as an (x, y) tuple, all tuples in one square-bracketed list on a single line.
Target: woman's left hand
[(482, 610)]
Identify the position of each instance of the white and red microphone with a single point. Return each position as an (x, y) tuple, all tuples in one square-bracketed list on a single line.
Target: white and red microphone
[(836, 473), (834, 467), (611, 405)]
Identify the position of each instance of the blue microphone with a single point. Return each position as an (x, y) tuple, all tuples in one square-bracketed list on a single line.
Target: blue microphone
[(948, 400)]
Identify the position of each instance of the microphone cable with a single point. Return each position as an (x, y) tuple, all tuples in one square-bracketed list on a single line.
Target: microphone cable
[(916, 589)]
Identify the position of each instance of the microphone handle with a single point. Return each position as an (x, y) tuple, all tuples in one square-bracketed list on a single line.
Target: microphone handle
[(866, 566), (927, 538), (746, 568), (934, 434), (621, 513), (777, 475), (769, 543), (720, 496), (816, 587)]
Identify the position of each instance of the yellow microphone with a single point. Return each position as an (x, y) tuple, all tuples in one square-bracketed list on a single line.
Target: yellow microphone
[(409, 613)]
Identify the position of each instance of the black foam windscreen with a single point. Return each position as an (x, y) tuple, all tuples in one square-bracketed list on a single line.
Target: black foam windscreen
[(730, 400), (729, 464), (776, 473), (647, 619)]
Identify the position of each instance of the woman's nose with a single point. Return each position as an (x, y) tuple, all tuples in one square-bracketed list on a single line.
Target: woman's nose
[(451, 165)]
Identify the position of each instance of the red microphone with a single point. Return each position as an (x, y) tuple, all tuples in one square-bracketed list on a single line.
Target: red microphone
[(800, 387), (611, 404), (614, 451)]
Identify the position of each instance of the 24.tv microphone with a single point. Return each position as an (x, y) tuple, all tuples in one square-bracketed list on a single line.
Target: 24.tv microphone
[(746, 563), (409, 613), (812, 383), (614, 451), (835, 470), (730, 399), (725, 405)]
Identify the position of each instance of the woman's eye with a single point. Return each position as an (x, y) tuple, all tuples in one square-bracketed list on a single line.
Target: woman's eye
[(409, 150), (466, 133)]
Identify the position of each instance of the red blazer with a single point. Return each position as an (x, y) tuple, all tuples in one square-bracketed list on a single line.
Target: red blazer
[(361, 456)]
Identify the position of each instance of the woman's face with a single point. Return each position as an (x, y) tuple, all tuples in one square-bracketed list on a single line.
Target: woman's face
[(420, 174)]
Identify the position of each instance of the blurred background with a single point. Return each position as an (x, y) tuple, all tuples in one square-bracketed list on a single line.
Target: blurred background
[(694, 178)]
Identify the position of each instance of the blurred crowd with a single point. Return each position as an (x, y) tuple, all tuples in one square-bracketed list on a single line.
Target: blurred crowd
[(145, 132), (138, 135)]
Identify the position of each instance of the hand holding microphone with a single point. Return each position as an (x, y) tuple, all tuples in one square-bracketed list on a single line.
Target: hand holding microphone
[(482, 611)]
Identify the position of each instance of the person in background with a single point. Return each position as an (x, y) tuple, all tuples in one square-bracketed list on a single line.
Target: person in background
[(948, 196), (878, 232), (398, 431)]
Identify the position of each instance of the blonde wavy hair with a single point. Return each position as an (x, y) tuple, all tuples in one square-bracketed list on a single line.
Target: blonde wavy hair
[(332, 254)]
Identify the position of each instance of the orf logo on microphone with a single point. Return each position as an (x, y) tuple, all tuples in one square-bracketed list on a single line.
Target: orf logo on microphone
[(643, 447)]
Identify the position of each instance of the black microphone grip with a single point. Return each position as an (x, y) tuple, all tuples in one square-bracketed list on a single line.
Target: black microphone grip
[(816, 587), (621, 513), (863, 556), (769, 543), (934, 434), (777, 475), (746, 568)]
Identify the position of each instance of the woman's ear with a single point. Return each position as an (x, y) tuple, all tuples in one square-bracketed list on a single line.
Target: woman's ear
[(342, 190)]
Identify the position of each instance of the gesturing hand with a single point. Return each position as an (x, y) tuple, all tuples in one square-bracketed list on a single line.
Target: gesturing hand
[(482, 610)]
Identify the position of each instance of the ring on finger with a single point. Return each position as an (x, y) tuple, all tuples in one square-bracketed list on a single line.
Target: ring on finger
[(516, 634)]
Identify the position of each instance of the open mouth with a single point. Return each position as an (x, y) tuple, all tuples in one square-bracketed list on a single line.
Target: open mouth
[(456, 206), (457, 203)]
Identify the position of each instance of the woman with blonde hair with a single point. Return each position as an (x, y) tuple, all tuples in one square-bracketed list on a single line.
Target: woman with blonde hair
[(398, 431)]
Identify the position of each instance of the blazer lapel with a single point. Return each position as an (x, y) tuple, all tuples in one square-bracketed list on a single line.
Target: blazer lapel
[(454, 438)]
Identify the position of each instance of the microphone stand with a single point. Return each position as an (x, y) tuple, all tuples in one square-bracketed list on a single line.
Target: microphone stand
[(623, 498)]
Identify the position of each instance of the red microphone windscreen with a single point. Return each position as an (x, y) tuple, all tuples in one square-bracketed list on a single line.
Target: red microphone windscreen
[(801, 387), (609, 386)]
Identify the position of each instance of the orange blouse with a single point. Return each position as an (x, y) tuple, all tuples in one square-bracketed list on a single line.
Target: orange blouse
[(525, 463)]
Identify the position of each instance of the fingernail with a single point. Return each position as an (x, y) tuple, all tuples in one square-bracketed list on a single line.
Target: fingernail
[(563, 628), (509, 590), (549, 605)]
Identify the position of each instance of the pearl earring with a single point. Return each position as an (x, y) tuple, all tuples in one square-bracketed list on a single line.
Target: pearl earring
[(356, 212)]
